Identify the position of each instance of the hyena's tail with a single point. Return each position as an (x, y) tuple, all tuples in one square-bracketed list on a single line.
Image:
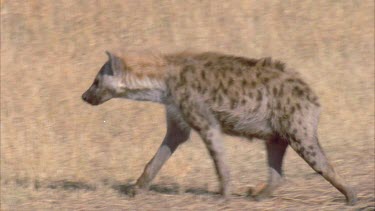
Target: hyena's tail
[(302, 137)]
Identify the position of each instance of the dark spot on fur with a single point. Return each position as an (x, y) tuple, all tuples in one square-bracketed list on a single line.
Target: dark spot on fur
[(299, 81), (230, 82), (199, 87), (278, 107), (312, 163), (290, 80), (183, 80), (203, 74), (208, 64), (281, 92), (295, 131), (236, 94), (265, 80), (253, 84), (292, 109), (302, 149), (311, 147), (244, 82), (313, 100), (313, 153), (297, 91), (265, 61), (215, 98), (259, 97), (298, 106), (237, 71), (268, 105), (279, 65), (274, 91), (221, 88), (213, 92), (288, 101), (188, 68)]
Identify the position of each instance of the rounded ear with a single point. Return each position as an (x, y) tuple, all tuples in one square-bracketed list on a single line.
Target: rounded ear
[(117, 65), (109, 55)]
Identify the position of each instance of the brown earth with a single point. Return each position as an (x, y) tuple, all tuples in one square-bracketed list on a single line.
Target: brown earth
[(58, 153)]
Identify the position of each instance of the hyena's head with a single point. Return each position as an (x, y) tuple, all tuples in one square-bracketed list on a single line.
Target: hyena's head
[(108, 82)]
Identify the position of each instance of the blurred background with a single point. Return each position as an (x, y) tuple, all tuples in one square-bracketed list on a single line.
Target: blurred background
[(60, 153)]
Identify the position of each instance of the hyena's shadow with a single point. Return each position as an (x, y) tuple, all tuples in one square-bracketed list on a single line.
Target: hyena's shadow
[(66, 185), (171, 189)]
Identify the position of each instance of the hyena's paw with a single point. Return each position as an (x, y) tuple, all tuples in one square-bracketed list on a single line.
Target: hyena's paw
[(221, 197), (351, 199), (130, 190), (259, 192), (225, 193)]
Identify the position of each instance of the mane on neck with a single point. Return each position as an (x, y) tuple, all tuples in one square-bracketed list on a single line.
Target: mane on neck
[(145, 71)]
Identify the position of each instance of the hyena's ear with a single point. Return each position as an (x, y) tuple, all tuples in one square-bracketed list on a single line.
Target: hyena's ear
[(116, 62)]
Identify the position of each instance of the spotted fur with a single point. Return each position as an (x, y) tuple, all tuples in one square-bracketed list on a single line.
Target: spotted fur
[(215, 93)]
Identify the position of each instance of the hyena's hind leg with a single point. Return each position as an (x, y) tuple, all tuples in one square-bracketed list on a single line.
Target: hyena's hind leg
[(276, 147), (307, 146)]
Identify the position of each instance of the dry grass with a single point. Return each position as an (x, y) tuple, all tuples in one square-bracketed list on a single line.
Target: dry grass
[(59, 153)]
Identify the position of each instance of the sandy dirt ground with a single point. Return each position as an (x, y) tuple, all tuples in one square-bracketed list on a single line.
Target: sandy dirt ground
[(58, 153)]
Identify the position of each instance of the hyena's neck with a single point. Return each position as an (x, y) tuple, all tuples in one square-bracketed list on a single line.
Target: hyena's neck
[(153, 95), (145, 78), (137, 81)]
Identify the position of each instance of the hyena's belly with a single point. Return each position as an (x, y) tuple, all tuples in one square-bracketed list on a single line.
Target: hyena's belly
[(244, 122)]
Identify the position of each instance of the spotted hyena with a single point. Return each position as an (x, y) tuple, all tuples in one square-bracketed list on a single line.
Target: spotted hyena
[(214, 93)]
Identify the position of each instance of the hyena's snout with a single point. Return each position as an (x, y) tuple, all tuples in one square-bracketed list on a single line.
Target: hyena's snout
[(90, 98), (96, 96)]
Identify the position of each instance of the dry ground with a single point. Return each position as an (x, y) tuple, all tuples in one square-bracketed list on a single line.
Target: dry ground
[(58, 153)]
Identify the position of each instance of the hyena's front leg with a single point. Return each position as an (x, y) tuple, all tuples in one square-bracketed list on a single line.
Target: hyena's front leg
[(276, 148), (176, 134)]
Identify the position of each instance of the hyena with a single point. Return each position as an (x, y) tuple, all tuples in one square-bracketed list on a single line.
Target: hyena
[(216, 94)]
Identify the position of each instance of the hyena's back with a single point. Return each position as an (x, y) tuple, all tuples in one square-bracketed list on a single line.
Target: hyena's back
[(249, 97)]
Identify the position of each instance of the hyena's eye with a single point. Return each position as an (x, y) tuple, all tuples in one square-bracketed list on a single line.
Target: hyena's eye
[(96, 82)]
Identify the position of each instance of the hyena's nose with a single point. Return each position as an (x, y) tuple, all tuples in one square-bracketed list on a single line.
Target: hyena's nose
[(84, 96)]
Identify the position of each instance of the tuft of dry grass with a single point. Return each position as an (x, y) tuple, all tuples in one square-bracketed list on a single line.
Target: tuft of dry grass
[(59, 153)]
